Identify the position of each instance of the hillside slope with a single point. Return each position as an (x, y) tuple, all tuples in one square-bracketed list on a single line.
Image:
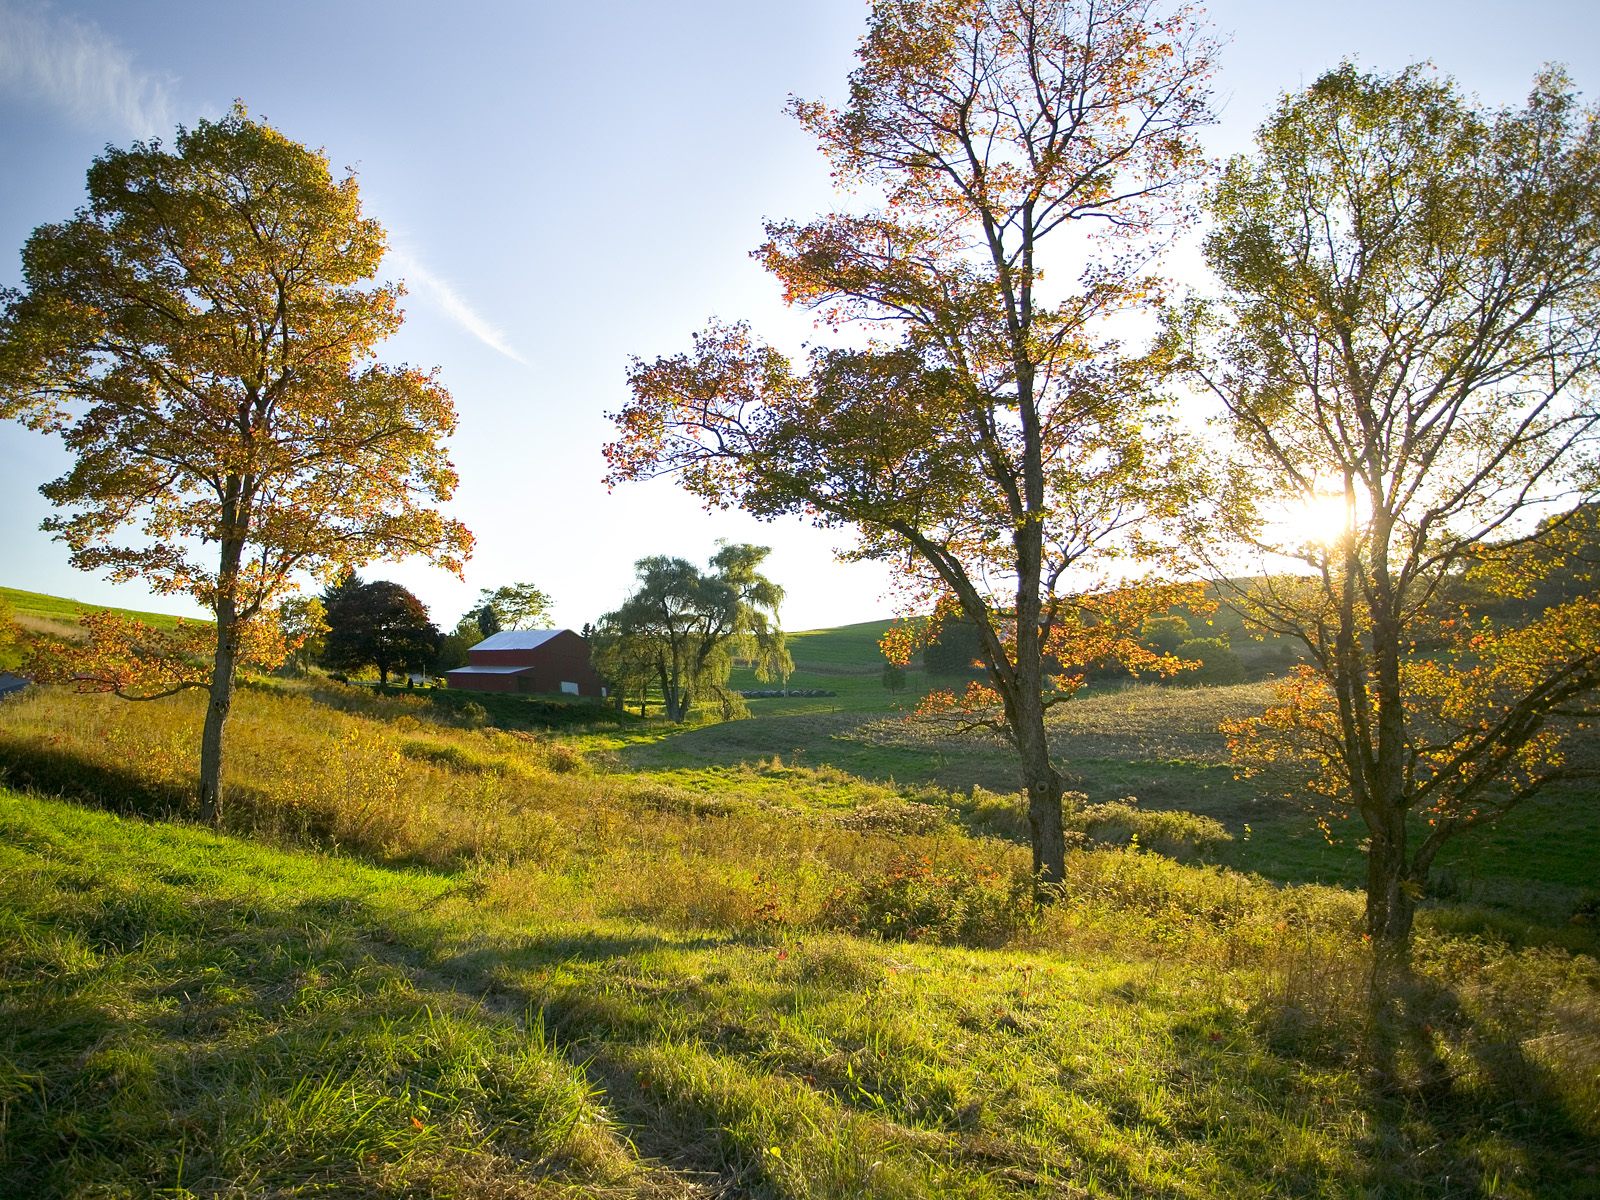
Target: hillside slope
[(188, 1014), (36, 606)]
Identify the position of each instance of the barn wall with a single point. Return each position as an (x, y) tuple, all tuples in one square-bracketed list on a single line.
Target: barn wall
[(504, 658), (483, 683), (563, 658)]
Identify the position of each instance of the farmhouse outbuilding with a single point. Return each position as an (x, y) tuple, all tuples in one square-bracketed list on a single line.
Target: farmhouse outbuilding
[(551, 661)]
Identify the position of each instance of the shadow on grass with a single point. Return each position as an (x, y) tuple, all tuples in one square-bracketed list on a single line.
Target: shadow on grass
[(156, 1042), (57, 773), (1476, 1115), (48, 771), (1438, 1129), (690, 1138), (605, 1013)]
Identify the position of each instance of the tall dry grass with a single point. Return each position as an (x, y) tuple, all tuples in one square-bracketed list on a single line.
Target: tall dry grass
[(758, 847), (531, 826)]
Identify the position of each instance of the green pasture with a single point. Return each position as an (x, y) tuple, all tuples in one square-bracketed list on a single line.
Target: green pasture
[(183, 1014), (57, 610)]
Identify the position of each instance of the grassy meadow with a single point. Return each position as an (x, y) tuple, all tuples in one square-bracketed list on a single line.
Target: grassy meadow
[(785, 957), (844, 660), (33, 610)]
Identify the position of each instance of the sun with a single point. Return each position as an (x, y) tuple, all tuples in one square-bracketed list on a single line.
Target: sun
[(1325, 515)]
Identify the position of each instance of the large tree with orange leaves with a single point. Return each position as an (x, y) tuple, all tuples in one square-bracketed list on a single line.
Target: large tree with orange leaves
[(994, 438), (202, 337)]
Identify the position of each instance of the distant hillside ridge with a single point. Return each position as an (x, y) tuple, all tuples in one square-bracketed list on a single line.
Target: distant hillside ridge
[(841, 650), (37, 606)]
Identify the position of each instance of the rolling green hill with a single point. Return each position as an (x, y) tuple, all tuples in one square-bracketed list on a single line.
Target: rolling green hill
[(851, 649), (37, 606), (844, 660)]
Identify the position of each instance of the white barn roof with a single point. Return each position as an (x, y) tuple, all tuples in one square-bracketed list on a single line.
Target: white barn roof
[(516, 639)]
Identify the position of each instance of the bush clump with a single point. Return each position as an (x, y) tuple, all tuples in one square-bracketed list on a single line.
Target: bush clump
[(959, 898), (895, 816), (1180, 835), (1177, 834), (1219, 664), (678, 802)]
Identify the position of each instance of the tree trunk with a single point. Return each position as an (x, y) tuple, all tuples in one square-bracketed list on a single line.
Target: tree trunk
[(1391, 894), (679, 697), (668, 675), (1027, 710), (1392, 890), (221, 701), (1043, 784), (1046, 833), (1043, 781)]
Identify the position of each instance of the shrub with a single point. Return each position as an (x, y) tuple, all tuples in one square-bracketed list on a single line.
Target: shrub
[(1179, 835), (1165, 634), (1219, 665), (563, 758), (895, 816), (676, 801), (961, 897), (997, 814)]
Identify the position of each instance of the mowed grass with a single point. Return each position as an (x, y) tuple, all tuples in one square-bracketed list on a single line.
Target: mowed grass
[(852, 693), (844, 660), (188, 1014), (849, 648), (35, 607)]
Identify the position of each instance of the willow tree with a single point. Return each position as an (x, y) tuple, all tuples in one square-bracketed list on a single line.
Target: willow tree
[(995, 440), (1406, 350), (682, 627), (202, 335)]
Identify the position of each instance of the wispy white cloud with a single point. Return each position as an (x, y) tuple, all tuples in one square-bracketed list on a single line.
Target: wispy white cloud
[(441, 295), (75, 67)]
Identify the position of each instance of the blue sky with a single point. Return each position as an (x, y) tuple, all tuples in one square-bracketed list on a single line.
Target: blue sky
[(568, 185)]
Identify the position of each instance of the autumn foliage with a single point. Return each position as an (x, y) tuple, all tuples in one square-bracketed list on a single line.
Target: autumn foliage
[(1404, 348), (138, 661), (203, 338), (988, 434)]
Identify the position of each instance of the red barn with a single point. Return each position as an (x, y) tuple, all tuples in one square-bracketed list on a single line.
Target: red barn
[(551, 661)]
